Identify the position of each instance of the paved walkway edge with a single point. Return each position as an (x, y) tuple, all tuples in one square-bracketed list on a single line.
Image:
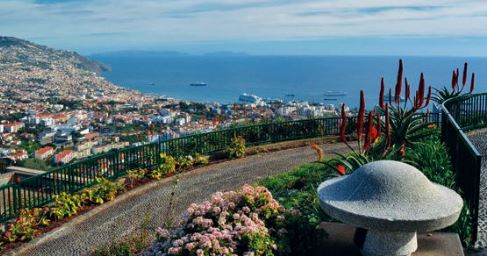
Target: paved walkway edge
[(69, 227), (52, 234)]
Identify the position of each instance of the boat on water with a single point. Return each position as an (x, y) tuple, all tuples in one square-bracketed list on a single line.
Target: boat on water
[(198, 84), (152, 83), (290, 95), (250, 98), (335, 93), (330, 99)]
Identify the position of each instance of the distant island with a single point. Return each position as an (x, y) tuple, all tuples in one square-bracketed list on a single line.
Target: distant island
[(138, 53), (226, 53), (141, 53)]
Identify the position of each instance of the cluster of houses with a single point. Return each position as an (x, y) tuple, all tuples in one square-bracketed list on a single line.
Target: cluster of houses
[(62, 135), (89, 146)]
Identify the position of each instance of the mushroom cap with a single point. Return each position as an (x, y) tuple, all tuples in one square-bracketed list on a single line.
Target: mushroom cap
[(390, 196)]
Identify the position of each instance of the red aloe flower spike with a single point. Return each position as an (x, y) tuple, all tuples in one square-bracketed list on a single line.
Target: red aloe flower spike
[(361, 116), (343, 128), (408, 89), (464, 78), (420, 97), (368, 136), (453, 84), (397, 94), (341, 170), (457, 75), (388, 128), (402, 150), (472, 83), (373, 135), (377, 125), (428, 98), (381, 94), (415, 101)]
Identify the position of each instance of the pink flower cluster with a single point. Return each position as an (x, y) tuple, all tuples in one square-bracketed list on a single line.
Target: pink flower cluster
[(218, 226)]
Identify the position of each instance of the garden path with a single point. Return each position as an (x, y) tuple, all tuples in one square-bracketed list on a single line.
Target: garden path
[(479, 139), (140, 206)]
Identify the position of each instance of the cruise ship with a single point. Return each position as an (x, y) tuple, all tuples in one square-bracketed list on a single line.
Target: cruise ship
[(249, 98)]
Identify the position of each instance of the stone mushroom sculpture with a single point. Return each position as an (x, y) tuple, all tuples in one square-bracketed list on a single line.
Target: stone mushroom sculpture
[(393, 201)]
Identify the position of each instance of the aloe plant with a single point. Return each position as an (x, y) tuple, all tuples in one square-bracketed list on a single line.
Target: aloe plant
[(402, 127), (442, 95)]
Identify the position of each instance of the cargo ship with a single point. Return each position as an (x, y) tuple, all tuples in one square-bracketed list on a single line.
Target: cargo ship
[(198, 84)]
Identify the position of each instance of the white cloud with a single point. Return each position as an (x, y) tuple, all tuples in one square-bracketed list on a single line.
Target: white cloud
[(148, 22)]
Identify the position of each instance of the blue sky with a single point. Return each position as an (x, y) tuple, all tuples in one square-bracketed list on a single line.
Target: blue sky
[(309, 27)]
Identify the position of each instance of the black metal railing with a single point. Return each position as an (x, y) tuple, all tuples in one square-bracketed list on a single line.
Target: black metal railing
[(41, 189), (460, 115)]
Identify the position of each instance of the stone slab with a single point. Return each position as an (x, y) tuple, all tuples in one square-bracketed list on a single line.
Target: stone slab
[(340, 242)]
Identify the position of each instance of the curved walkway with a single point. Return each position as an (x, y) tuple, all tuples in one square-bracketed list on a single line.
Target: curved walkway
[(479, 139), (148, 204)]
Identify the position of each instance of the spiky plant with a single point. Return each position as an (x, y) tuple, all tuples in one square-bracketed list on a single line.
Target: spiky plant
[(404, 124), (442, 95)]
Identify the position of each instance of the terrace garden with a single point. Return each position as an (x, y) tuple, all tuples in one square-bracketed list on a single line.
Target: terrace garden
[(277, 215)]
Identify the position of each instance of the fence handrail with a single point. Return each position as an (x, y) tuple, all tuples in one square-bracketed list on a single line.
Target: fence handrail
[(40, 189), (460, 115), (445, 107)]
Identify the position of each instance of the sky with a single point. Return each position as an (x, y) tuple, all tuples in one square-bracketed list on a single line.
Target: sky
[(275, 27)]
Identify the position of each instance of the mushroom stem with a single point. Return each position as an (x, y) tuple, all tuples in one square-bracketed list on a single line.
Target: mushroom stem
[(389, 243)]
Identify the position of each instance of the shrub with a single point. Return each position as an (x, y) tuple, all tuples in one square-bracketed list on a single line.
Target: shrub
[(39, 217), (65, 205), (431, 157), (26, 225), (88, 196), (201, 160), (105, 190), (19, 232), (296, 191), (237, 148), (232, 223), (168, 164), (133, 176), (155, 174), (185, 162)]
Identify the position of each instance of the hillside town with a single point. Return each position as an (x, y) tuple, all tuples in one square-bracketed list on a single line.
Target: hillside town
[(58, 133), (55, 108)]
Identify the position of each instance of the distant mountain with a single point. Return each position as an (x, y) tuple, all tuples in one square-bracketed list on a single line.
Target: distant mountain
[(14, 50), (33, 73), (226, 53), (137, 53)]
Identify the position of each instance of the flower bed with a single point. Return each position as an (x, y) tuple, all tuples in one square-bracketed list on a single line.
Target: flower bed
[(291, 227), (248, 221), (401, 135), (36, 221)]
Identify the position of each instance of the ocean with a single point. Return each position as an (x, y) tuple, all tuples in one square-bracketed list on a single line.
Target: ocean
[(306, 77)]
